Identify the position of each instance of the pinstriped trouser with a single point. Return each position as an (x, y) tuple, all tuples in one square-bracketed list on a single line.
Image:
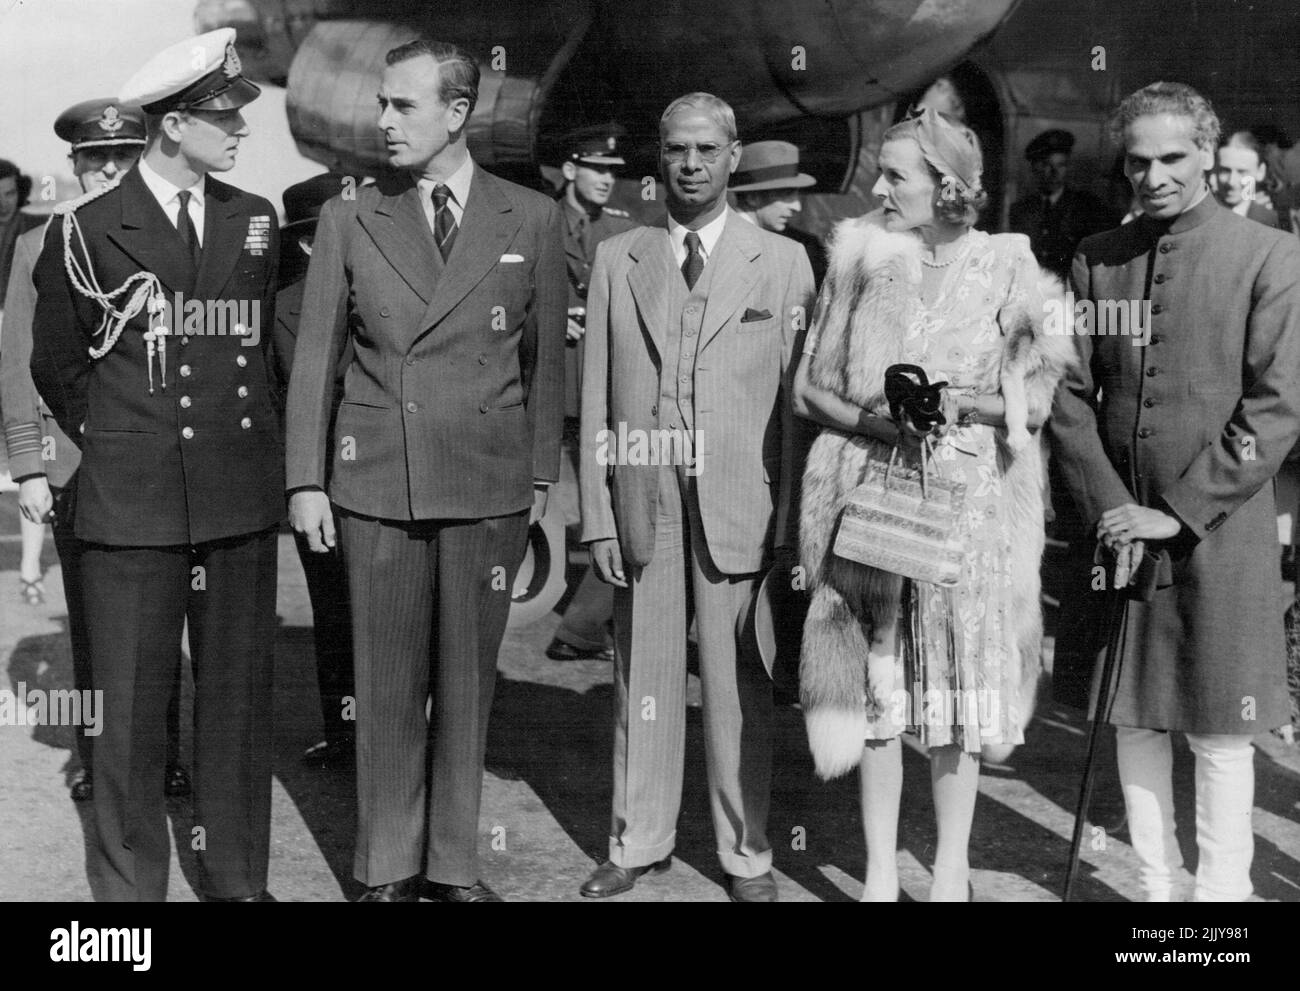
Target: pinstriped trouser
[(428, 615), (651, 617)]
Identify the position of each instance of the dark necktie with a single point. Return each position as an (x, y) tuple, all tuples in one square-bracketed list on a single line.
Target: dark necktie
[(584, 235), (185, 227), (444, 224), (694, 263)]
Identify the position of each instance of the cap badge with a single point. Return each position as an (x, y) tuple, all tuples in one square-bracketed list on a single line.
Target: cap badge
[(611, 141), (110, 120), (231, 67)]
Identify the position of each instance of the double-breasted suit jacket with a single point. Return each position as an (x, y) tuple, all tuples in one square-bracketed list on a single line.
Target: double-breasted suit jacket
[(1196, 423), (761, 286), (200, 458), (452, 403)]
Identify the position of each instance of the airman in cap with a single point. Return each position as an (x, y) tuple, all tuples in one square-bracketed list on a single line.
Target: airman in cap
[(1054, 217), (148, 346), (591, 155)]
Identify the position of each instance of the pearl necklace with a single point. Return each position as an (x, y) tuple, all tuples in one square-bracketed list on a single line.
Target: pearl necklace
[(961, 253)]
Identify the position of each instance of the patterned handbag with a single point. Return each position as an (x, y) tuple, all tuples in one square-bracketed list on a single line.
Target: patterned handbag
[(902, 521)]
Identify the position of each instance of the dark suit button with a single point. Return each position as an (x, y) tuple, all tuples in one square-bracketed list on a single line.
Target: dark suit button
[(654, 410), (482, 359), (1159, 278), (1157, 308), (383, 311), (1156, 338), (1145, 432), (482, 407), (1148, 402), (412, 407), (1166, 248), (1151, 372)]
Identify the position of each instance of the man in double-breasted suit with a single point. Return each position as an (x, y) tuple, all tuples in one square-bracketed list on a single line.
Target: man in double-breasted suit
[(450, 285), (686, 430), (1169, 441), (181, 481)]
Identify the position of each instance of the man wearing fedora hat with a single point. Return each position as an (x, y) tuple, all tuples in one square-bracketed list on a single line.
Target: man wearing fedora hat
[(327, 579), (181, 483), (768, 188)]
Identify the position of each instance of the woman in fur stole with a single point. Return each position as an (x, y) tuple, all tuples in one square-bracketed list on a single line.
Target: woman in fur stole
[(913, 282)]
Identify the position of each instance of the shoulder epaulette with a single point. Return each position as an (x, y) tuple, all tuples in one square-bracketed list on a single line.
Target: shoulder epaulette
[(71, 206)]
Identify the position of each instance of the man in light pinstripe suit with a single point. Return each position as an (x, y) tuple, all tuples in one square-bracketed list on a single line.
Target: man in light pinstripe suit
[(690, 330)]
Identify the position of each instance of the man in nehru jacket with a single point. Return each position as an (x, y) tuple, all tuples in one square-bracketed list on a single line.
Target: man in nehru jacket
[(167, 389), (449, 284), (1169, 450), (588, 171), (690, 331), (106, 138)]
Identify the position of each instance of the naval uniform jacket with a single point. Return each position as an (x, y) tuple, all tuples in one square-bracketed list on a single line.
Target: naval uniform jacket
[(201, 459), (1195, 423)]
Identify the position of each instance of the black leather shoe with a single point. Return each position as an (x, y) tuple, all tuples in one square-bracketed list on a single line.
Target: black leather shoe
[(176, 782), (406, 890), (331, 755), (82, 788), (476, 892), (261, 896), (561, 651), (752, 889), (609, 879)]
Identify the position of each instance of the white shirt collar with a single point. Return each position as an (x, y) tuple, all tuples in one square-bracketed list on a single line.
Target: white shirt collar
[(164, 190), (458, 182), (709, 234)]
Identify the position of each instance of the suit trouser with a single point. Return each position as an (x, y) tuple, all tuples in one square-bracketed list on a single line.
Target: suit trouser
[(68, 548), (430, 600), (1225, 797), (651, 617), (327, 587), (137, 601)]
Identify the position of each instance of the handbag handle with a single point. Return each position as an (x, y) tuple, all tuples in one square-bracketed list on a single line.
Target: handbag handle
[(925, 468)]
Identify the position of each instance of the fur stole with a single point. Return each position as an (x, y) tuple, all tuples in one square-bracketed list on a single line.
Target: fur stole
[(871, 298)]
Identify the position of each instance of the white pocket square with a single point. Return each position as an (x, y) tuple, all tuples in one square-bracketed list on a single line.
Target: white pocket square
[(512, 258)]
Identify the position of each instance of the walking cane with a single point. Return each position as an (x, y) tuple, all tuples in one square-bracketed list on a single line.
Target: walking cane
[(1116, 612)]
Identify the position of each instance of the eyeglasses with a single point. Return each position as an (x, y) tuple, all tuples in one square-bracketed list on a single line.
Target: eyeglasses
[(676, 152)]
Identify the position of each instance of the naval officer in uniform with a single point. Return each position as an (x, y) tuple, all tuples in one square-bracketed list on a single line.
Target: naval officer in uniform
[(149, 347)]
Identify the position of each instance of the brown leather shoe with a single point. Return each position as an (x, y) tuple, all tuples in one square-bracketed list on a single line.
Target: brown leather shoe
[(406, 890), (476, 892), (609, 879), (752, 889)]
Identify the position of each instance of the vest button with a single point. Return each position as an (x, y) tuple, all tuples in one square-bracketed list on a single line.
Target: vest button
[(412, 408), (1148, 402), (654, 410), (482, 407), (1152, 372), (1159, 278), (482, 359), (383, 311), (1157, 308), (1165, 249), (410, 361), (1145, 432)]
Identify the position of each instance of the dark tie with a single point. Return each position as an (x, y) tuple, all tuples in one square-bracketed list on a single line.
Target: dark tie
[(584, 235), (694, 263), (444, 224), (185, 227)]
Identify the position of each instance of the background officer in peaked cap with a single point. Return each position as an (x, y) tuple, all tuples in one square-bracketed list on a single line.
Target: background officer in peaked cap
[(591, 156), (181, 481)]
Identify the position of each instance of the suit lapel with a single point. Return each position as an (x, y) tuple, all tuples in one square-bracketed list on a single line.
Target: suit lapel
[(649, 280), (733, 275), (149, 238), (485, 231), (224, 229), (401, 232)]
